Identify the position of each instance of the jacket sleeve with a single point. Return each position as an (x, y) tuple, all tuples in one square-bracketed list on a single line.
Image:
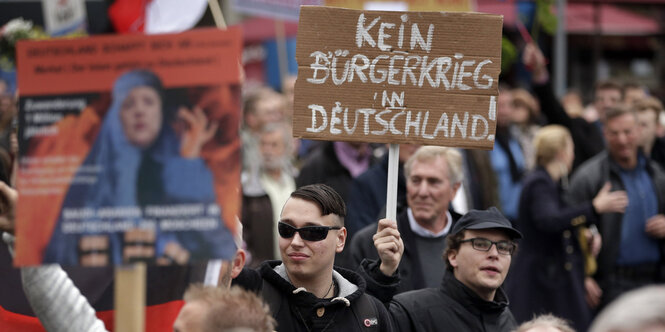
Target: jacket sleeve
[(548, 214), (583, 186), (378, 285), (385, 319), (362, 247), (550, 105), (401, 318), (249, 279), (55, 299), (57, 302), (361, 208)]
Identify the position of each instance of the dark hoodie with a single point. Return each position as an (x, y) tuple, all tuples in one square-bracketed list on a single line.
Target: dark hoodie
[(452, 307), (296, 309)]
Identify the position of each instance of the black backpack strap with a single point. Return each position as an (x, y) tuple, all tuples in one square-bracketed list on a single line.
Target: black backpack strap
[(366, 313)]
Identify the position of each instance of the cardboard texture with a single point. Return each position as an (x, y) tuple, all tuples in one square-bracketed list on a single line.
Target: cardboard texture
[(129, 296), (397, 77)]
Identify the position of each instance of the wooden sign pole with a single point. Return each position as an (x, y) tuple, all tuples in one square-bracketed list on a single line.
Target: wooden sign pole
[(129, 297), (217, 16), (282, 55), (393, 168)]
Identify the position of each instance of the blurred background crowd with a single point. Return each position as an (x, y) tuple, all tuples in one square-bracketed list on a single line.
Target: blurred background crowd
[(566, 63)]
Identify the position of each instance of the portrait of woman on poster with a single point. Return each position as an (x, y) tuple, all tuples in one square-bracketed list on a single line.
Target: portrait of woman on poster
[(136, 161)]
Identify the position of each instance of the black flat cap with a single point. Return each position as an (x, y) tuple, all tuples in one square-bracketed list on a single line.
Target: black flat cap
[(485, 219)]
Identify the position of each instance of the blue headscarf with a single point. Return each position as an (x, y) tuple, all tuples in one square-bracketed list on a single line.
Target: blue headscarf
[(118, 161)]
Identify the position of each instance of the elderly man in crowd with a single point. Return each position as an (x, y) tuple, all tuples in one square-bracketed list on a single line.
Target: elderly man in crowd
[(433, 176), (276, 179)]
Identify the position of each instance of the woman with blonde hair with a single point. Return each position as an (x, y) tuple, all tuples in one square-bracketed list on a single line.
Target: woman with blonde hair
[(550, 256)]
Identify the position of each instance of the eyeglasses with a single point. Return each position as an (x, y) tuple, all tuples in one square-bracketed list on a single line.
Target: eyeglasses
[(307, 233), (482, 244)]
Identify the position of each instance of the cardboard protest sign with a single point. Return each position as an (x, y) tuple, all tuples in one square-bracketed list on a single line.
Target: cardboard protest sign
[(397, 77), (129, 148)]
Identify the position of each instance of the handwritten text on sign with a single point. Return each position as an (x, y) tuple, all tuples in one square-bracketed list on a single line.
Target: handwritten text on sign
[(398, 77)]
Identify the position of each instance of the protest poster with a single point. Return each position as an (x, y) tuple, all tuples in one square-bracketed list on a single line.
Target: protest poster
[(397, 77), (62, 17), (129, 148)]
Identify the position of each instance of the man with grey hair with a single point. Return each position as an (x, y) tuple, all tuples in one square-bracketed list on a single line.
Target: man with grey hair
[(275, 182), (640, 310), (433, 176)]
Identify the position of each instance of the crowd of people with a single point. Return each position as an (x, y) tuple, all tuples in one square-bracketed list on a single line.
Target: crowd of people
[(560, 227), (582, 183)]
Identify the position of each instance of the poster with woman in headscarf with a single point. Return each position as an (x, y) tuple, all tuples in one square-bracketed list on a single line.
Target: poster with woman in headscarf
[(129, 149)]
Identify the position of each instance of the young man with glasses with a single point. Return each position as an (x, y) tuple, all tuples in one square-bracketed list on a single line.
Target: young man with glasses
[(478, 254), (304, 291)]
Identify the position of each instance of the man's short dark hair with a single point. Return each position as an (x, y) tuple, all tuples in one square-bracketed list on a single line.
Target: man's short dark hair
[(325, 197), (453, 242), (609, 85), (617, 111)]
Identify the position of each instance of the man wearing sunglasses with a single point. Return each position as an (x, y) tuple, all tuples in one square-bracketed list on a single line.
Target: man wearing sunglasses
[(304, 291), (478, 254)]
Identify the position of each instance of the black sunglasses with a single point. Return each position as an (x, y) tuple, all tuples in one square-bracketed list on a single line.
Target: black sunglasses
[(307, 233), (482, 244)]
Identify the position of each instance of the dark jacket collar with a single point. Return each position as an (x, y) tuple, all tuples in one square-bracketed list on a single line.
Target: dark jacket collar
[(350, 286), (470, 300)]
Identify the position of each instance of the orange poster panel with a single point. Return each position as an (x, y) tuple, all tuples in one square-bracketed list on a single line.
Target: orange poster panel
[(129, 149)]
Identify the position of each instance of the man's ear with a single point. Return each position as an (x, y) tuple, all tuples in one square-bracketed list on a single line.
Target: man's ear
[(456, 187), (452, 258), (238, 262), (341, 240)]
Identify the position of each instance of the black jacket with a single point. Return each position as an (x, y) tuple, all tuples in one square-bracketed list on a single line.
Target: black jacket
[(549, 256), (298, 310), (257, 224), (452, 307), (323, 166), (658, 151), (367, 196), (585, 185), (410, 270), (587, 136)]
